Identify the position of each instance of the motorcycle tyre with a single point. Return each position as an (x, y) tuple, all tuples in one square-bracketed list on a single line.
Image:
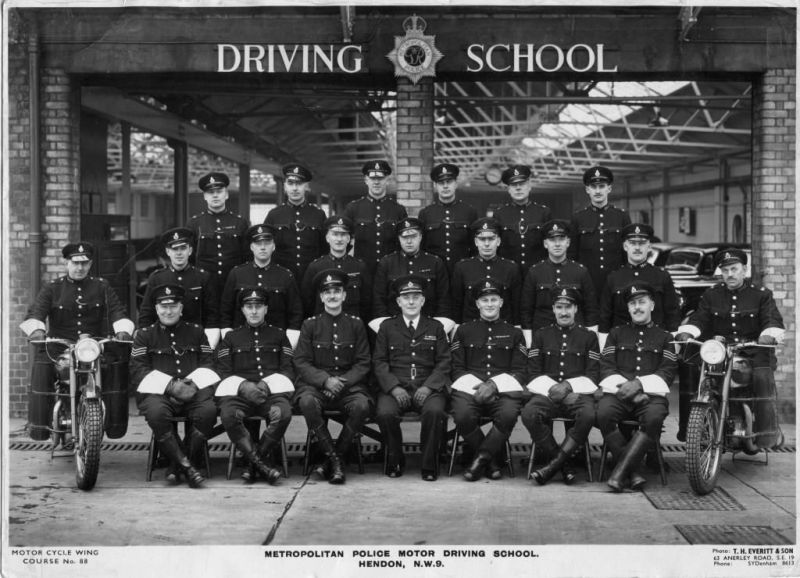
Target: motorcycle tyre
[(704, 423), (87, 446)]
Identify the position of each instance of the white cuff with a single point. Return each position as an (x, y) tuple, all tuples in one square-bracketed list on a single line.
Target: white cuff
[(30, 325), (375, 324), (611, 383), (203, 377), (279, 383), (447, 323), (776, 332), (125, 325), (654, 385), (601, 339), (293, 335), (154, 382), (541, 384), (582, 384), (692, 330), (528, 335), (466, 384), (224, 331), (213, 336), (229, 386), (506, 383)]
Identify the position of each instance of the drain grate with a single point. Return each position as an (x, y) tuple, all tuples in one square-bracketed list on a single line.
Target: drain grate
[(675, 464), (718, 500), (714, 534)]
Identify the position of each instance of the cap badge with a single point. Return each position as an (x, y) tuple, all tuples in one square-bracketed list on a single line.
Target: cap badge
[(340, 222), (329, 279), (555, 227), (410, 285), (80, 248), (637, 230), (407, 224), (563, 292), (634, 290), (377, 166), (727, 255), (167, 291), (485, 226), (444, 170), (597, 172), (516, 172), (260, 230), (211, 180), (296, 170), (176, 236), (254, 294)]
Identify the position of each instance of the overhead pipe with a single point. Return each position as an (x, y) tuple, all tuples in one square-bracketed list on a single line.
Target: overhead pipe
[(35, 237)]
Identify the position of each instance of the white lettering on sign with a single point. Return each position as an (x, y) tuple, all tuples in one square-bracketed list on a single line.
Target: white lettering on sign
[(305, 58), (532, 58)]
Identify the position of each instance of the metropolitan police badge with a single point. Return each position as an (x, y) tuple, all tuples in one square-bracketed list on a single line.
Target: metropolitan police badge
[(414, 54)]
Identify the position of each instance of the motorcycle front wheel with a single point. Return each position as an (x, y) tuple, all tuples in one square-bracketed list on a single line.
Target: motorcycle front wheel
[(90, 437), (703, 456)]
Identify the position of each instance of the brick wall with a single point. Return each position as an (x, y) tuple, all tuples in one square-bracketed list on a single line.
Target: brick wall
[(414, 143), (774, 210)]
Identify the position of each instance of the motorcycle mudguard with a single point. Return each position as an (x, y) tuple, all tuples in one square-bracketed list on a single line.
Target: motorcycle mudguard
[(115, 389), (765, 408), (41, 398)]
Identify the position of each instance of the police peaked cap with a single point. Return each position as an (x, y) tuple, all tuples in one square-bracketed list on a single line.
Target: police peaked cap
[(637, 230), (409, 284), (253, 295), (296, 171), (636, 289), (444, 172), (213, 181), (376, 169), (80, 251), (168, 293), (262, 231), (329, 278), (597, 174), (516, 174), (177, 236)]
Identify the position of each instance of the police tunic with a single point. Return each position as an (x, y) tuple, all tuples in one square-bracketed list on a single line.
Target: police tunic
[(487, 348), (596, 241), (176, 350), (399, 264), (447, 234), (563, 353), (469, 273), (536, 303), (374, 221), (200, 302), (411, 360), (332, 346), (300, 237), (284, 308), (255, 352), (634, 351), (220, 243), (358, 300), (74, 307), (614, 308), (521, 237)]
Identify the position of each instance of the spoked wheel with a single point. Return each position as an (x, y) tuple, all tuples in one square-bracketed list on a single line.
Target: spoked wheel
[(702, 454), (90, 436)]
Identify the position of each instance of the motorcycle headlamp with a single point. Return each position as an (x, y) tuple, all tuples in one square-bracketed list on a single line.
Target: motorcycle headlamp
[(712, 352), (87, 350)]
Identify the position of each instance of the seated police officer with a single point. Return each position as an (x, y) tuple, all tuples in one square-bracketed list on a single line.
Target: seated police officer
[(72, 305), (412, 367), (741, 311), (200, 301), (255, 364), (637, 367), (564, 369), (332, 362), (489, 359), (172, 367)]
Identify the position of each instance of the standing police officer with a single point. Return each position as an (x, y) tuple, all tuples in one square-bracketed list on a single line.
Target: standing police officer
[(596, 231), (332, 362), (200, 301), (172, 367), (218, 231), (299, 234), (255, 364), (522, 220), (412, 368), (446, 222), (374, 216), (489, 367), (474, 271), (339, 232)]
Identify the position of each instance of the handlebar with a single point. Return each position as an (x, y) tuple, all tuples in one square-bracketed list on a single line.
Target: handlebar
[(69, 342), (741, 345)]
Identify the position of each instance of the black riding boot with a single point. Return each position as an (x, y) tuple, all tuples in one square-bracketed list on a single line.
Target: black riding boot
[(245, 444), (325, 441), (543, 475), (197, 448), (632, 456), (169, 446)]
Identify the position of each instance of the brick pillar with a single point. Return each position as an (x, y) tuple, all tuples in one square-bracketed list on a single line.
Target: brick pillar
[(414, 143), (774, 223)]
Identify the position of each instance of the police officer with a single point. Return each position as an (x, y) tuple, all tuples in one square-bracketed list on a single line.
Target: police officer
[(374, 216), (489, 365), (255, 364), (339, 233), (596, 230), (218, 231), (522, 220), (412, 369), (200, 302), (446, 222), (536, 305), (299, 234), (284, 308), (742, 311), (409, 260), (637, 368), (486, 265), (332, 362), (172, 367), (564, 369), (65, 308), (613, 309)]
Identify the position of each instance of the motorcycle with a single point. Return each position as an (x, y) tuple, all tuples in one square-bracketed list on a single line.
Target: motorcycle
[(722, 414), (80, 408)]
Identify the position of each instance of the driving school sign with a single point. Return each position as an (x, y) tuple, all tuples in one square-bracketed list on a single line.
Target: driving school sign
[(415, 55)]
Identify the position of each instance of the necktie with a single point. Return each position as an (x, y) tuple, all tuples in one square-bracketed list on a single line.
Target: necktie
[(411, 326)]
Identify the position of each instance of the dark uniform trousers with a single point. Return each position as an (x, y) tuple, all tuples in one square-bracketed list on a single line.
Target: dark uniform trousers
[(469, 273), (177, 351), (71, 308), (641, 351), (447, 234), (403, 359), (333, 346), (253, 353), (220, 243), (536, 303), (358, 301), (485, 349), (284, 307), (596, 241), (374, 221), (300, 236), (742, 315), (522, 233), (562, 353)]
